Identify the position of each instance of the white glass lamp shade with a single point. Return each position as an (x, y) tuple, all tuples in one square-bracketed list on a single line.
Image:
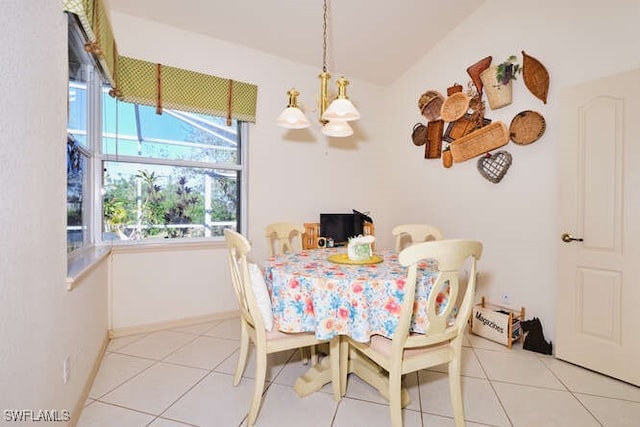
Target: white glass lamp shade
[(292, 118), (341, 109), (337, 128)]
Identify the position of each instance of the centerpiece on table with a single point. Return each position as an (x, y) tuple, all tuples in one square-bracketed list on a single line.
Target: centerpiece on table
[(359, 248)]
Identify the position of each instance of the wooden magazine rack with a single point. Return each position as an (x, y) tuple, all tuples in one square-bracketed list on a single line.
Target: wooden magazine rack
[(497, 322)]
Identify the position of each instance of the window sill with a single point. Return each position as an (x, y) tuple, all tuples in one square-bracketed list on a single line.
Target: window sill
[(168, 245), (83, 263)]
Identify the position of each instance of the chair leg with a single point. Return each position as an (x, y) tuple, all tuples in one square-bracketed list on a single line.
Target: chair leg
[(242, 356), (303, 355), (395, 397), (336, 377), (313, 355), (344, 365), (261, 373), (455, 391)]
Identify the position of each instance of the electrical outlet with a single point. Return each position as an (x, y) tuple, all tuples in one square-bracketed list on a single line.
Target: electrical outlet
[(505, 298), (66, 369)]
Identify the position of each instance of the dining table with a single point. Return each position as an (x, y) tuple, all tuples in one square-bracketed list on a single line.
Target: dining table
[(323, 292)]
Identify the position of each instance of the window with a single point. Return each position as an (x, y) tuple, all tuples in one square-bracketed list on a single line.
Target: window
[(135, 175), (83, 89), (172, 175)]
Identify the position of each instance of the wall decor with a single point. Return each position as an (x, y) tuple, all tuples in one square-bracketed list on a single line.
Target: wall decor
[(463, 126), (455, 88), (527, 127), (419, 134), (455, 106), (447, 160), (476, 69), (434, 139), (479, 142), (494, 166), (535, 76), (497, 81), (430, 104)]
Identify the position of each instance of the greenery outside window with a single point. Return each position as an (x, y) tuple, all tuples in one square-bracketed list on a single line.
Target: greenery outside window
[(173, 175)]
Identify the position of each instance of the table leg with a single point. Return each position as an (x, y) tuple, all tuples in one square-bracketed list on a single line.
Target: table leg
[(373, 375), (328, 370)]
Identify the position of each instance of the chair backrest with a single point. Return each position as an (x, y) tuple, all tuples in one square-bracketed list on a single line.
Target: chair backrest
[(452, 257), (281, 237), (414, 233), (239, 247)]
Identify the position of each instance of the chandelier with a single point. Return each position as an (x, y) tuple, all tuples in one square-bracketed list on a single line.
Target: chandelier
[(335, 119)]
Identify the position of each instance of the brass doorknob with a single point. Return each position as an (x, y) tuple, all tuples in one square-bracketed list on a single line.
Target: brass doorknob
[(568, 238)]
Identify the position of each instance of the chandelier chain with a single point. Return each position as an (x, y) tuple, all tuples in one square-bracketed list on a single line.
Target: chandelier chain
[(324, 38)]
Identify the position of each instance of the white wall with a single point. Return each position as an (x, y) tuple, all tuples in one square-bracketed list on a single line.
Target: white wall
[(155, 285), (40, 321), (516, 219)]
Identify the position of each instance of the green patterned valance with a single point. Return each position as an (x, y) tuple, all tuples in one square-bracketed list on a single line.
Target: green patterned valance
[(142, 82), (147, 83), (94, 19)]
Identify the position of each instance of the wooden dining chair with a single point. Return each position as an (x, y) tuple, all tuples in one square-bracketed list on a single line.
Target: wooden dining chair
[(252, 323), (441, 343), (408, 234), (284, 237)]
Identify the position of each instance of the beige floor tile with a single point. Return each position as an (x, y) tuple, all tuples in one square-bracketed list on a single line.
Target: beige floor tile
[(275, 363), (470, 366), (156, 388), (535, 407), (197, 329), (157, 345), (163, 422), (204, 352), (119, 342), (214, 402), (483, 343), (361, 390), (612, 412), (517, 367), (100, 414), (582, 380), (228, 328), (357, 413), (115, 369), (315, 410), (438, 421), (481, 405)]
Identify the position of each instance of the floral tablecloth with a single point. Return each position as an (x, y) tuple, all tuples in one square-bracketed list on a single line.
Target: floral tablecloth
[(311, 294)]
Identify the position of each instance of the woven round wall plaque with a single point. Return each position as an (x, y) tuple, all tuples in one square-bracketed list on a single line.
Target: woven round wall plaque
[(527, 127), (419, 134), (430, 104), (454, 107)]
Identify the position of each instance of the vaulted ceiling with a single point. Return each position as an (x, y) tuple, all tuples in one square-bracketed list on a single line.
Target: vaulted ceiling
[(371, 40)]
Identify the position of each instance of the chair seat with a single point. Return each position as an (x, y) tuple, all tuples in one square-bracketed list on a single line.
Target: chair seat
[(382, 345), (277, 335)]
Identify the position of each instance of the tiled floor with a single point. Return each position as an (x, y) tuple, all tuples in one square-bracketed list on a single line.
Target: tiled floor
[(183, 377)]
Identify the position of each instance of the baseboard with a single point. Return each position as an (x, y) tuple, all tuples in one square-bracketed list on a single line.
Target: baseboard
[(79, 406), (169, 324)]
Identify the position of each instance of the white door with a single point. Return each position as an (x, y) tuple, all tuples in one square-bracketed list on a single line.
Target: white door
[(598, 289)]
